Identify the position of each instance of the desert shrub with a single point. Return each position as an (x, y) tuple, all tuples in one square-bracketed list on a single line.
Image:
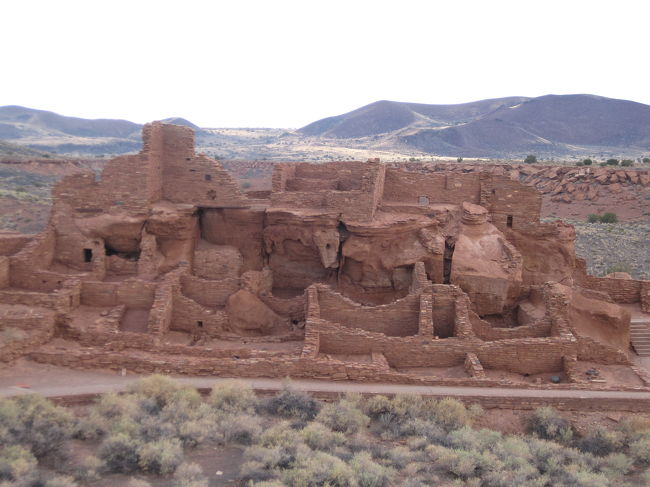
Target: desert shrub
[(580, 163), (88, 468), (609, 218), (60, 481), (279, 434), (161, 457), (634, 427), (241, 429), (449, 413), (17, 463), (120, 453), (547, 424), (640, 451), (268, 483), (627, 162), (611, 162), (133, 482), (34, 422), (317, 436), (587, 162), (601, 442), (370, 474), (190, 475), (233, 396), (646, 160), (157, 391), (343, 416), (401, 456), (319, 469), (290, 403), (593, 218), (615, 465), (430, 430)]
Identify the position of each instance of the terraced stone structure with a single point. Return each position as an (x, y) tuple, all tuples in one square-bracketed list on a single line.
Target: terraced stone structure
[(346, 270)]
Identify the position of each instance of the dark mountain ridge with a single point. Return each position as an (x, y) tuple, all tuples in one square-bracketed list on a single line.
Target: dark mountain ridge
[(551, 123)]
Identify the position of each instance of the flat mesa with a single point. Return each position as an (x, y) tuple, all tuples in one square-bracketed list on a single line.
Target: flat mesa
[(356, 271)]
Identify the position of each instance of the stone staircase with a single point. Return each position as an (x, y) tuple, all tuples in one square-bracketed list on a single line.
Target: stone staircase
[(640, 336)]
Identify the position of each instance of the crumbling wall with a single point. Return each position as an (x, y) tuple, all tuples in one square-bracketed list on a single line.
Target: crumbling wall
[(207, 292), (400, 318), (620, 290), (134, 293)]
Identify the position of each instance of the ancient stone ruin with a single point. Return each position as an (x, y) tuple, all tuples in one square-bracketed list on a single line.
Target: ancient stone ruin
[(345, 270)]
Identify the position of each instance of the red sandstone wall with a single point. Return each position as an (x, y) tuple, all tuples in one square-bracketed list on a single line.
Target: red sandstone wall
[(508, 197), (400, 318), (12, 243), (620, 290), (405, 187), (4, 272), (207, 292), (133, 293), (241, 228)]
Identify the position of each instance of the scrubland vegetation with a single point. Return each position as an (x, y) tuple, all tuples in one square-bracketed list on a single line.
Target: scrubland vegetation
[(150, 433)]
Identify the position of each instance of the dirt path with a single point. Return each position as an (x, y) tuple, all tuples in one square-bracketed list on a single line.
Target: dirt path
[(29, 377)]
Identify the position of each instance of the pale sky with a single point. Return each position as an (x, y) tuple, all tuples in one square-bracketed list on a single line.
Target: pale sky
[(275, 63)]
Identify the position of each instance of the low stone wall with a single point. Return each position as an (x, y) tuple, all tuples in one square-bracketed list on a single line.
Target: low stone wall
[(400, 318), (4, 272), (620, 290), (208, 292), (485, 331)]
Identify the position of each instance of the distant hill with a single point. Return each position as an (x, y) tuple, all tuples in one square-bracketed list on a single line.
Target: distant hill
[(48, 131), (554, 124)]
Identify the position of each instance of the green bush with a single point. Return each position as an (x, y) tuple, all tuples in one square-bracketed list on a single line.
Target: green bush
[(34, 422), (60, 481), (120, 453), (290, 403), (241, 429), (319, 469), (547, 424), (587, 162), (17, 463), (133, 482), (580, 163), (160, 457), (609, 218), (627, 162), (157, 391), (190, 475), (317, 436), (612, 162), (646, 160), (640, 451), (593, 218), (370, 474), (530, 159), (233, 396), (343, 416), (601, 442)]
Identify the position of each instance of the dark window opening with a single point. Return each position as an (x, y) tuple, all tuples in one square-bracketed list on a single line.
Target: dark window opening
[(294, 322), (509, 221), (88, 255), (450, 244), (133, 256), (208, 177), (199, 324), (212, 194)]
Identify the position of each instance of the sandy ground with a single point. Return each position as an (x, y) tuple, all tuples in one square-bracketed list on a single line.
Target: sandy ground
[(25, 376)]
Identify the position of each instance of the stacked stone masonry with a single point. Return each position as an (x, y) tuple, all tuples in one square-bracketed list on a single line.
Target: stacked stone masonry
[(346, 271)]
